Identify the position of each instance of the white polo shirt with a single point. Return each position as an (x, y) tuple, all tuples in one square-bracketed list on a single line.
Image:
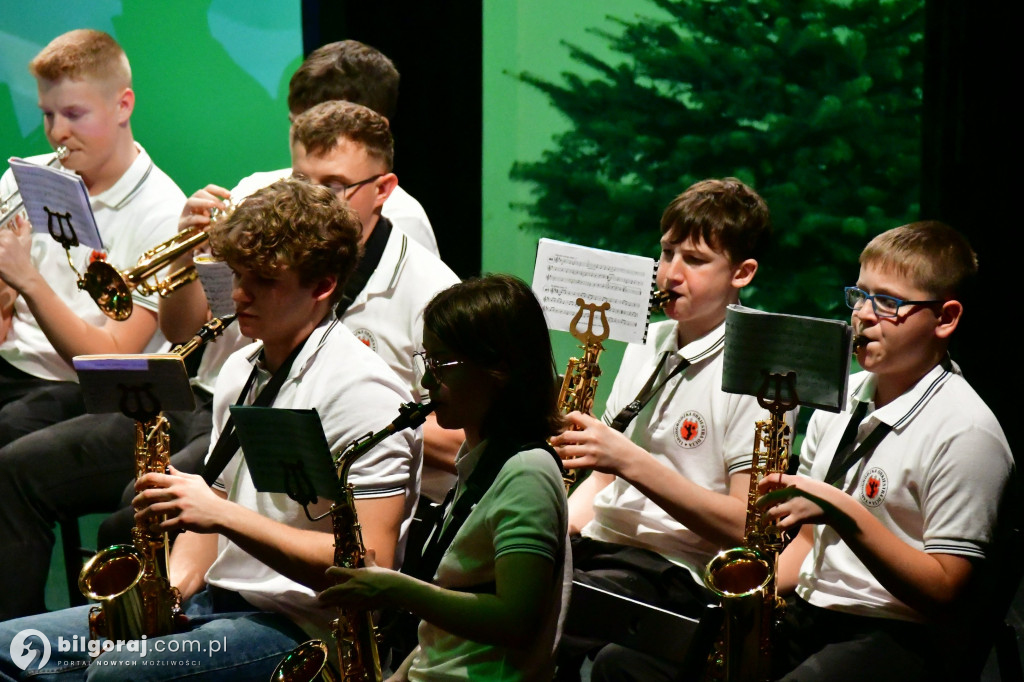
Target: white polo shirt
[(401, 208), (354, 393), (138, 212), (387, 316), (935, 481), (524, 510), (691, 426)]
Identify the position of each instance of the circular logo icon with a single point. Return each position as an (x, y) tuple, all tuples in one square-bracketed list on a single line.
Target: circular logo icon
[(22, 654), (873, 486), (691, 429), (367, 337)]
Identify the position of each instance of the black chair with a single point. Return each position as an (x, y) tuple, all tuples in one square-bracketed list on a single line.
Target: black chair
[(989, 631), (74, 558)]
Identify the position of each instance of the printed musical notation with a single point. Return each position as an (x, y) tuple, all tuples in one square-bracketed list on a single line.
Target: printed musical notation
[(564, 272), (57, 203), (215, 277)]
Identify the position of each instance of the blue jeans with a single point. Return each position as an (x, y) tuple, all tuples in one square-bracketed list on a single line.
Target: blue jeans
[(226, 639)]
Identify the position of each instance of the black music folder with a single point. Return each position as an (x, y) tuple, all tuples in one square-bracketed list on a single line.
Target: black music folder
[(287, 452), (817, 350), (136, 385)]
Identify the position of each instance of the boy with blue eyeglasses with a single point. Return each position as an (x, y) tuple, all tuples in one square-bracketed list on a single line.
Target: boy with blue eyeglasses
[(896, 500)]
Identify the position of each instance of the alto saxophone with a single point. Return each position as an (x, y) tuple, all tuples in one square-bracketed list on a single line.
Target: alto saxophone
[(579, 386), (130, 582), (744, 578), (353, 631)]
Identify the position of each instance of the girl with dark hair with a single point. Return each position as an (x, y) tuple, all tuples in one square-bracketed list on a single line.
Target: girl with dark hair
[(497, 578)]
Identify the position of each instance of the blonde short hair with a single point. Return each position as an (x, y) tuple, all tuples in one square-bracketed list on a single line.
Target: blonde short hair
[(80, 54), (932, 255)]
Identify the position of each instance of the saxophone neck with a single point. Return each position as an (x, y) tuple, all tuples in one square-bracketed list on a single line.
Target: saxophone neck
[(410, 415), (207, 332)]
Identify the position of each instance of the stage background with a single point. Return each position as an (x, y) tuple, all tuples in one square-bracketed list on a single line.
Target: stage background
[(581, 120)]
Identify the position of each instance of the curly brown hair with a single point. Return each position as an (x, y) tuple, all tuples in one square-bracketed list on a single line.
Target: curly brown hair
[(293, 224), (83, 53), (318, 130)]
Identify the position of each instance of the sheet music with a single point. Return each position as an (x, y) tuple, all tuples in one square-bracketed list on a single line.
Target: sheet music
[(112, 382), (564, 272), (57, 203), (215, 276), (818, 350)]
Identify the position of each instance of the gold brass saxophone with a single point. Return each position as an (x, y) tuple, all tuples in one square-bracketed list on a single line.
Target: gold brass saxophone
[(353, 631), (579, 386), (130, 581), (659, 300), (112, 289), (12, 204), (744, 578)]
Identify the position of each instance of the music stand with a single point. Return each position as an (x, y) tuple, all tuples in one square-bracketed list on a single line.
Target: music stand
[(759, 345), (287, 452), (616, 618), (139, 386)]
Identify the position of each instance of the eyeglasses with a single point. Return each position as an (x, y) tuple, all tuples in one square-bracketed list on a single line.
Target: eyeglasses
[(431, 365), (343, 190), (338, 188), (883, 304)]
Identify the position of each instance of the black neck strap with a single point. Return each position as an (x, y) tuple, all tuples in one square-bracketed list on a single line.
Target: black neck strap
[(227, 445), (627, 414), (846, 454), (486, 470), (373, 250)]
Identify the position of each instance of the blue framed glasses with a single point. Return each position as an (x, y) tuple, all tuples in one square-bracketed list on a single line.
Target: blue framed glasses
[(883, 304)]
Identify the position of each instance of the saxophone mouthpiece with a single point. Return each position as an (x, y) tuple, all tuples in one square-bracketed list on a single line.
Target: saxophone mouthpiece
[(62, 152), (858, 341), (411, 415), (659, 300)]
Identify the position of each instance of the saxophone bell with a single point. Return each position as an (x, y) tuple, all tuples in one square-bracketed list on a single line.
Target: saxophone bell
[(307, 661), (130, 582)]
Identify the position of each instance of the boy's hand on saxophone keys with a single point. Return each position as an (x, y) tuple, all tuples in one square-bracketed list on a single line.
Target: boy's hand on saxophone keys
[(186, 500), (793, 500), (589, 443)]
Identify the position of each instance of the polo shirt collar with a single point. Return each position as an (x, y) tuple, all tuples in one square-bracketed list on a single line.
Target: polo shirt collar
[(385, 276), (128, 185), (467, 460), (904, 408), (309, 351), (710, 344)]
